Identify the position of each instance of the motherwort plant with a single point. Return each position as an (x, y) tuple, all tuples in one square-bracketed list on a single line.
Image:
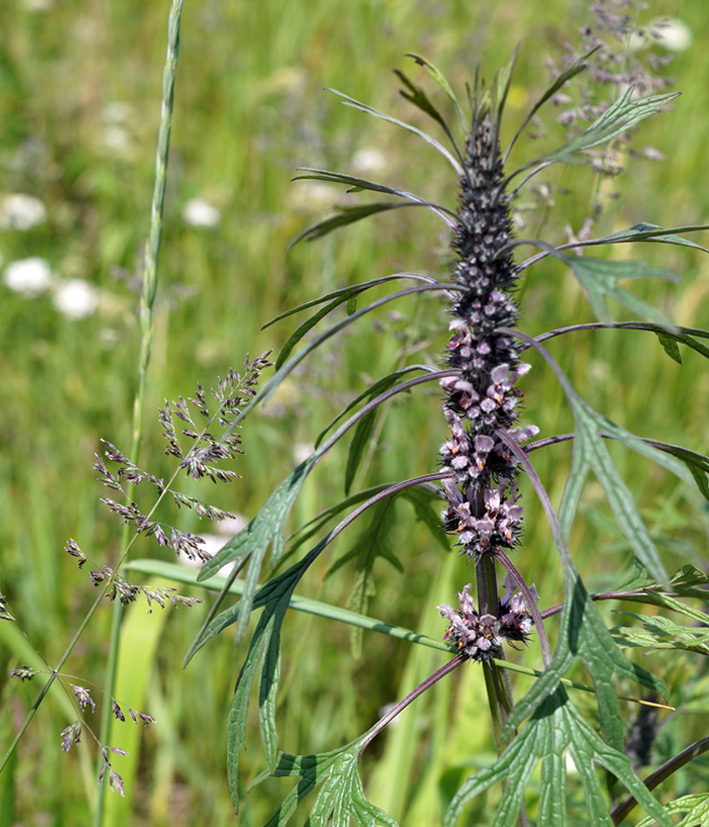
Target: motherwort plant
[(474, 483), (481, 459)]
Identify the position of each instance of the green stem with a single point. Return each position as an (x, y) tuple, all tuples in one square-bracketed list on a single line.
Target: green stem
[(497, 681), (150, 282)]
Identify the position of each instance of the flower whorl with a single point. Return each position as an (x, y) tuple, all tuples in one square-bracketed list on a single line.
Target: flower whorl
[(481, 399)]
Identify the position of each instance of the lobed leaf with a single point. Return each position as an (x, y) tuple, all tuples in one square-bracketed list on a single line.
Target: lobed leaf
[(618, 118), (599, 277), (695, 809), (658, 632), (251, 544), (340, 801), (554, 729)]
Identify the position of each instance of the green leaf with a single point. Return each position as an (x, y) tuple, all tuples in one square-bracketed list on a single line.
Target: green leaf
[(599, 277), (416, 96), (355, 184), (340, 801), (263, 658), (266, 529), (440, 79), (618, 118), (698, 464), (659, 632), (583, 634), (649, 232), (687, 582), (363, 107), (670, 347), (346, 293), (344, 216), (570, 72), (694, 807), (590, 452), (358, 446), (554, 728), (373, 542), (304, 328), (422, 500), (373, 390)]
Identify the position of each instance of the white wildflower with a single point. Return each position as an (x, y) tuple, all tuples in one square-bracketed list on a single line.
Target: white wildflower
[(199, 213), (368, 160), (75, 298), (671, 33), (19, 211), (28, 276)]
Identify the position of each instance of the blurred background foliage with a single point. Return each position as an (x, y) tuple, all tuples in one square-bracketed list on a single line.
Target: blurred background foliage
[(80, 86)]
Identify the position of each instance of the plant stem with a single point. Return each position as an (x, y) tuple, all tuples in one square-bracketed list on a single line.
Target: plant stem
[(415, 693), (497, 682)]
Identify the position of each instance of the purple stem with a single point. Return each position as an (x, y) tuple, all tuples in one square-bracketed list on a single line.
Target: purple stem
[(531, 603), (420, 689)]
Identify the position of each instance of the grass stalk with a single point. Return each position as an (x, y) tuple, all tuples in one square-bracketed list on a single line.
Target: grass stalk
[(147, 301)]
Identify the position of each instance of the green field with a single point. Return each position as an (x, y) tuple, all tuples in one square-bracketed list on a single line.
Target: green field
[(80, 90)]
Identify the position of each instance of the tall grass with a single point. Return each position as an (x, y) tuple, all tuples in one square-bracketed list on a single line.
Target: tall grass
[(249, 110)]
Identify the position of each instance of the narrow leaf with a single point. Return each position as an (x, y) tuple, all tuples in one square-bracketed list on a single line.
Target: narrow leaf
[(363, 107), (440, 79), (345, 293), (344, 216), (599, 278), (570, 72)]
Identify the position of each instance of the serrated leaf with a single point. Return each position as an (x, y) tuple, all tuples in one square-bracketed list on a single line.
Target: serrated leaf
[(695, 807), (369, 110), (599, 277), (262, 658), (698, 464), (590, 452), (266, 529), (340, 802), (583, 635), (659, 632), (618, 118), (554, 728), (582, 632)]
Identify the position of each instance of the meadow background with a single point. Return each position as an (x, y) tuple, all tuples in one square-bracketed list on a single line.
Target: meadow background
[(80, 89)]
